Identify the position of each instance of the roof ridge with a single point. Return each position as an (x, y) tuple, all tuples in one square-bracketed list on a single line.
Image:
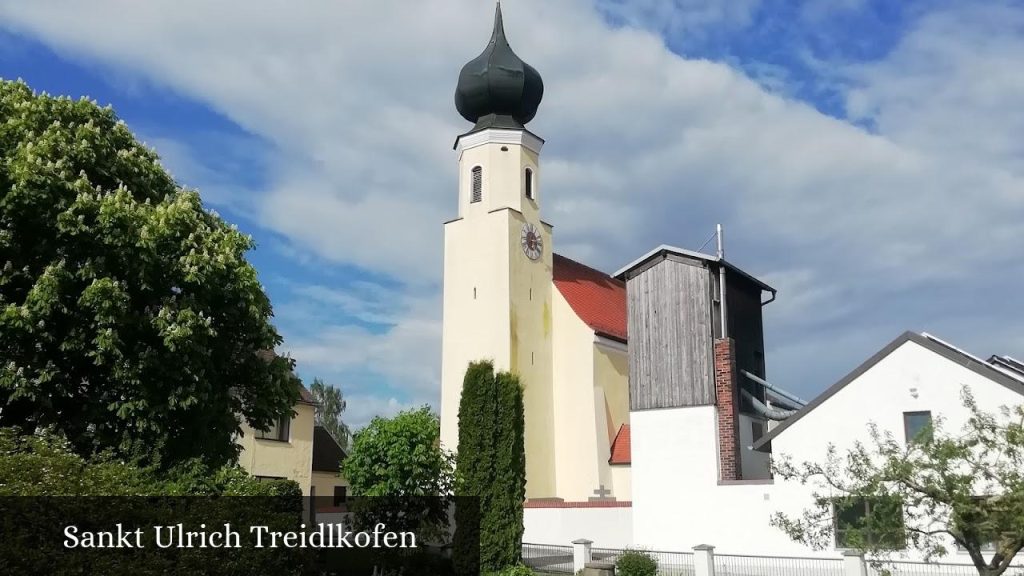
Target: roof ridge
[(588, 267)]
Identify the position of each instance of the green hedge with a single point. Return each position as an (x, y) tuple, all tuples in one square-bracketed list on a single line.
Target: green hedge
[(491, 462)]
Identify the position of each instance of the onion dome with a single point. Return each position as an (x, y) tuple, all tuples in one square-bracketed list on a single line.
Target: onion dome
[(497, 89)]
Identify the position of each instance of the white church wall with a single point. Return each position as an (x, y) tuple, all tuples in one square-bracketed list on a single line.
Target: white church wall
[(678, 501), (606, 527), (476, 294), (611, 408), (577, 476), (622, 481)]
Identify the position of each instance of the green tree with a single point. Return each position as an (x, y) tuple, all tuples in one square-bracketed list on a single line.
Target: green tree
[(330, 405), (397, 465), (965, 488), (491, 461), (129, 317)]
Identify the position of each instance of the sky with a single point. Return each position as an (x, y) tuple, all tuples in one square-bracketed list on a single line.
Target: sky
[(864, 157)]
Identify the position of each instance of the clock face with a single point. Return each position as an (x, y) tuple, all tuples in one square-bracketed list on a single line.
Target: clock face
[(533, 245)]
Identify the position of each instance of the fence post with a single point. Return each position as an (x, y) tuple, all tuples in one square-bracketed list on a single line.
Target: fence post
[(704, 560), (581, 554), (853, 563)]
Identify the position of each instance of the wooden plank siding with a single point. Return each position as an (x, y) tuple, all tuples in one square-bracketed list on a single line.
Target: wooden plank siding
[(671, 335)]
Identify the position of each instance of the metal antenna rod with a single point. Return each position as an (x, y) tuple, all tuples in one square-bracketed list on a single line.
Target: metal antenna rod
[(721, 282)]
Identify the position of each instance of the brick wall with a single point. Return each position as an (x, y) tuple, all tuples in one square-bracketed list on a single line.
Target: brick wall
[(727, 404)]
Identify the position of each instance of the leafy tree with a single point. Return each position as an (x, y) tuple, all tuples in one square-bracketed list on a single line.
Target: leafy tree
[(129, 317), (400, 464), (938, 489), (491, 461), (330, 405)]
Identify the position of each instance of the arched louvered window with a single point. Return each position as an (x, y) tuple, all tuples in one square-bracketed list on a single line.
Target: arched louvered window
[(478, 185), (529, 183)]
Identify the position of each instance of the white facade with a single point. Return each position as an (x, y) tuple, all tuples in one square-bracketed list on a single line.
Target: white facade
[(606, 527), (675, 476), (679, 501)]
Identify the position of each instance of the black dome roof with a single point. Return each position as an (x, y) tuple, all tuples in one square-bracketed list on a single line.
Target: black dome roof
[(497, 88)]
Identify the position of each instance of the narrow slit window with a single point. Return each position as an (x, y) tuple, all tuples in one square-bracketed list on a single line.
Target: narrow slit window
[(529, 183), (478, 184)]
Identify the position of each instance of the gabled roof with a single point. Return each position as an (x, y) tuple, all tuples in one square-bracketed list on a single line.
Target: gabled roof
[(327, 453), (622, 447), (927, 341), (1008, 364), (664, 249), (598, 299)]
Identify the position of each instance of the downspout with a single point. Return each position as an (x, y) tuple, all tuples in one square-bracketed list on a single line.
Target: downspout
[(772, 299)]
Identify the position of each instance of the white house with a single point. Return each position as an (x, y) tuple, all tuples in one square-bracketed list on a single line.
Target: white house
[(677, 471)]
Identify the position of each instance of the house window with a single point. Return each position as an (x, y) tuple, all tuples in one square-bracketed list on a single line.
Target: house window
[(874, 522), (269, 478), (529, 183), (340, 495), (478, 184), (278, 431), (917, 426)]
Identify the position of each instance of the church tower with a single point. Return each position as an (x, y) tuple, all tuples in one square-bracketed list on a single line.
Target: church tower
[(497, 252)]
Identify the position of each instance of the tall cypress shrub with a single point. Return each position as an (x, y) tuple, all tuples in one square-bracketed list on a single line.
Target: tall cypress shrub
[(491, 462), (472, 466), (509, 485)]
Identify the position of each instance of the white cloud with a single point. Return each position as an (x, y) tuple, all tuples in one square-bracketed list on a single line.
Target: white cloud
[(952, 87), (644, 147), (685, 18)]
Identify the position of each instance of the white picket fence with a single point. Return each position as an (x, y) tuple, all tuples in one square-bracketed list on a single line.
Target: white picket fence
[(703, 561)]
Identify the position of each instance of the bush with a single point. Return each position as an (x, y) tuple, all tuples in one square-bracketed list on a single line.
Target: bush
[(45, 464), (517, 570), (636, 563)]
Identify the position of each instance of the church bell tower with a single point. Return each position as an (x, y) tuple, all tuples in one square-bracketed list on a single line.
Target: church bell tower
[(497, 252)]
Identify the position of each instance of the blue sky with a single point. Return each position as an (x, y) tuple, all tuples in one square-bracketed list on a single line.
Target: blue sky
[(864, 156)]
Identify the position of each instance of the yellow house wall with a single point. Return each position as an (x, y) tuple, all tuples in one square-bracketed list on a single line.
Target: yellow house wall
[(292, 459), (324, 482)]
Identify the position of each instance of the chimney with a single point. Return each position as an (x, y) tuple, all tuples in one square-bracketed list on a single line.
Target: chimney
[(727, 408)]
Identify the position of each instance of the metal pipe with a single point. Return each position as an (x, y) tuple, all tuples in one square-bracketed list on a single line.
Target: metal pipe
[(769, 413), (775, 389), (721, 282), (770, 300)]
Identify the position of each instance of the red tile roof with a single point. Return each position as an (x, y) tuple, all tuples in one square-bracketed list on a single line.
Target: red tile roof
[(622, 447), (597, 298)]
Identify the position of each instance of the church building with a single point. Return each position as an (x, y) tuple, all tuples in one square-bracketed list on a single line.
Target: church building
[(650, 419), (558, 324), (563, 326)]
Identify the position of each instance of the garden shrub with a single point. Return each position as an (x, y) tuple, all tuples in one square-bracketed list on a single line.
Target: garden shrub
[(517, 570), (636, 563)]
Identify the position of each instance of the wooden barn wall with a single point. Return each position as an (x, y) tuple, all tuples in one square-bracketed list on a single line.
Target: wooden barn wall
[(670, 336)]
